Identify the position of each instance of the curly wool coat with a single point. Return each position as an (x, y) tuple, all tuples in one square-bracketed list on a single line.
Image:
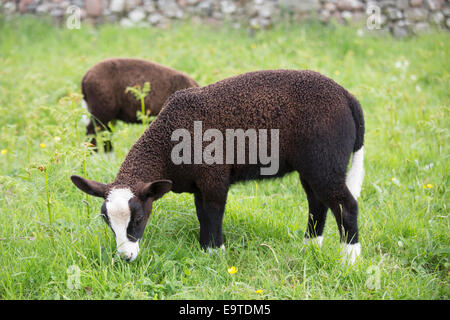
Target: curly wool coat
[(320, 125), (104, 86)]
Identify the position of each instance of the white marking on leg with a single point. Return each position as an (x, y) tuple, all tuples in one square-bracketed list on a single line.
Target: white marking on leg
[(220, 250), (317, 241), (119, 215), (350, 252), (355, 175)]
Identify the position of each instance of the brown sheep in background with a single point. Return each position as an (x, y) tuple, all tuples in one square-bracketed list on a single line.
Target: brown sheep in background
[(104, 85), (320, 126)]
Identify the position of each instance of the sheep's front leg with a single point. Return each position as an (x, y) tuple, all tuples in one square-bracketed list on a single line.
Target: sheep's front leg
[(210, 215), (92, 129)]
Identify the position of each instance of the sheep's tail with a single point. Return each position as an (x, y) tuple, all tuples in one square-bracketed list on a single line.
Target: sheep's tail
[(355, 175), (85, 119)]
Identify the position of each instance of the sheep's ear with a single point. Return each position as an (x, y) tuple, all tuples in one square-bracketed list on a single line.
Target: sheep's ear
[(91, 187), (155, 189)]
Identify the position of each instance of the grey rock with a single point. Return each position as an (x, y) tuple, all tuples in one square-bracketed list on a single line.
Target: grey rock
[(43, 8), (66, 3), (125, 22), (217, 15), (132, 4), (349, 5), (421, 27), (416, 14), (78, 3), (446, 11), (206, 7), (447, 22), (416, 3), (302, 6), (117, 6), (251, 10), (330, 6), (9, 7), (32, 7), (385, 3), (155, 18), (170, 8), (383, 19), (402, 4), (228, 7), (346, 15), (149, 6), (403, 23), (433, 4), (324, 15), (399, 31), (57, 12), (266, 10), (394, 14), (437, 17), (137, 15)]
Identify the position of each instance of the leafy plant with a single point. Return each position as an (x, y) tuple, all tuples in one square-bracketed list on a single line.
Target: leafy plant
[(140, 94)]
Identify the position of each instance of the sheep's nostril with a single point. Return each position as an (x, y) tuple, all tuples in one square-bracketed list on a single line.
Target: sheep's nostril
[(128, 257)]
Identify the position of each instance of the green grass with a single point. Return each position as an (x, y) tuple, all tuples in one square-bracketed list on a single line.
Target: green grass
[(404, 228)]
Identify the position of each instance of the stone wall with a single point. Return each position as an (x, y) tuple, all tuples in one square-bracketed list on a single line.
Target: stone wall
[(401, 17)]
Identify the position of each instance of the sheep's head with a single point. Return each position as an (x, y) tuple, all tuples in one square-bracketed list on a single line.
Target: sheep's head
[(124, 211)]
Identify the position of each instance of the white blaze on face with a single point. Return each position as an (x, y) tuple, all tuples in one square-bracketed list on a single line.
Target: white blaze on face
[(119, 215)]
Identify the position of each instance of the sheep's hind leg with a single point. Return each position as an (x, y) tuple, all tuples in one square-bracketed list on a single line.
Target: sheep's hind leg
[(345, 211), (335, 195), (210, 214), (317, 213)]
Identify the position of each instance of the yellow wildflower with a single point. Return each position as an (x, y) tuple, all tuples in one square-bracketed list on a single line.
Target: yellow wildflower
[(259, 291), (232, 270), (42, 145), (4, 151)]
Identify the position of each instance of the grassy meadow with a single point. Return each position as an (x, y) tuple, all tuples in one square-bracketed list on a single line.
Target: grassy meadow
[(54, 245)]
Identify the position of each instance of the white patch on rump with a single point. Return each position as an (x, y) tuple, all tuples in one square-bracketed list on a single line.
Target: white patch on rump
[(355, 175), (85, 118), (119, 215)]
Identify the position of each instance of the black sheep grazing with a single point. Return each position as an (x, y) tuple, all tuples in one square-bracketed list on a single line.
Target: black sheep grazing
[(320, 125), (104, 86)]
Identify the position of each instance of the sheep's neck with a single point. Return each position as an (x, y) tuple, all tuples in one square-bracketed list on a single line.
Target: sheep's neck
[(144, 163)]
